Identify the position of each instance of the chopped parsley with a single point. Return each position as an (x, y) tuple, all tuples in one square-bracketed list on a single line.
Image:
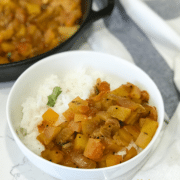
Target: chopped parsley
[(53, 97), (9, 55), (23, 131)]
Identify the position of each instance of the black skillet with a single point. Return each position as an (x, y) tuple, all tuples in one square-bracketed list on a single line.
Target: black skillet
[(9, 72)]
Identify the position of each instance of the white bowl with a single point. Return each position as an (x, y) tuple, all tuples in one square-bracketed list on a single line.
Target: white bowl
[(28, 82)]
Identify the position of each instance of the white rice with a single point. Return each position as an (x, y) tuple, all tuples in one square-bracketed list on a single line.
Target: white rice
[(123, 152), (77, 83)]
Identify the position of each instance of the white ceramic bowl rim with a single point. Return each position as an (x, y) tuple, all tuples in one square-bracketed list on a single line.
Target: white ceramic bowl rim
[(76, 53)]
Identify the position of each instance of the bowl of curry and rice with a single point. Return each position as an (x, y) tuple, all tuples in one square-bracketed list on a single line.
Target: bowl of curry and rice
[(85, 115)]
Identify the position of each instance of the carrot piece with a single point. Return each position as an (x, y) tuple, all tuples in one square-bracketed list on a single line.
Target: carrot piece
[(94, 149), (104, 86)]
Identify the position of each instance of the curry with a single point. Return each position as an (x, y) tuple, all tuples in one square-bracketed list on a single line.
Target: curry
[(98, 128), (32, 27)]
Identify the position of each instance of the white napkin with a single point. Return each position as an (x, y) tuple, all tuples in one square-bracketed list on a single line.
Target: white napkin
[(162, 34)]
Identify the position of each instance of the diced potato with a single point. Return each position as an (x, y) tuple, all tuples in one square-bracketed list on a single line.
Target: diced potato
[(150, 112), (51, 145), (42, 126), (31, 29), (3, 2), (103, 115), (153, 113), (7, 47), (141, 122), (134, 117), (73, 17), (82, 161), (92, 112), (15, 56), (6, 34), (48, 134), (120, 141), (3, 60), (105, 103), (97, 105), (99, 96), (123, 91), (75, 126), (14, 25), (33, 9), (125, 135), (144, 96), (89, 126), (149, 127), (122, 137), (80, 142), (51, 132), (55, 155), (45, 1), (110, 144), (143, 140), (127, 103), (68, 162), (79, 105), (24, 48), (112, 160), (136, 125), (54, 43), (114, 124), (101, 164), (69, 5), (67, 32), (20, 15), (105, 131), (94, 149), (22, 31), (64, 136), (80, 117), (130, 154), (50, 116), (49, 36), (132, 130), (121, 113), (68, 114), (138, 101), (135, 92)]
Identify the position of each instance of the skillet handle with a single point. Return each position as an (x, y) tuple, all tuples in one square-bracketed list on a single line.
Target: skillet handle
[(95, 15)]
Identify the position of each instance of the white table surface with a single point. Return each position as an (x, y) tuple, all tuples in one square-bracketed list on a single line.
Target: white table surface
[(13, 164)]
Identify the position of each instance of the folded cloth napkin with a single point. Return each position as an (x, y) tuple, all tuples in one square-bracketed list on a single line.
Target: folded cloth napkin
[(157, 43)]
